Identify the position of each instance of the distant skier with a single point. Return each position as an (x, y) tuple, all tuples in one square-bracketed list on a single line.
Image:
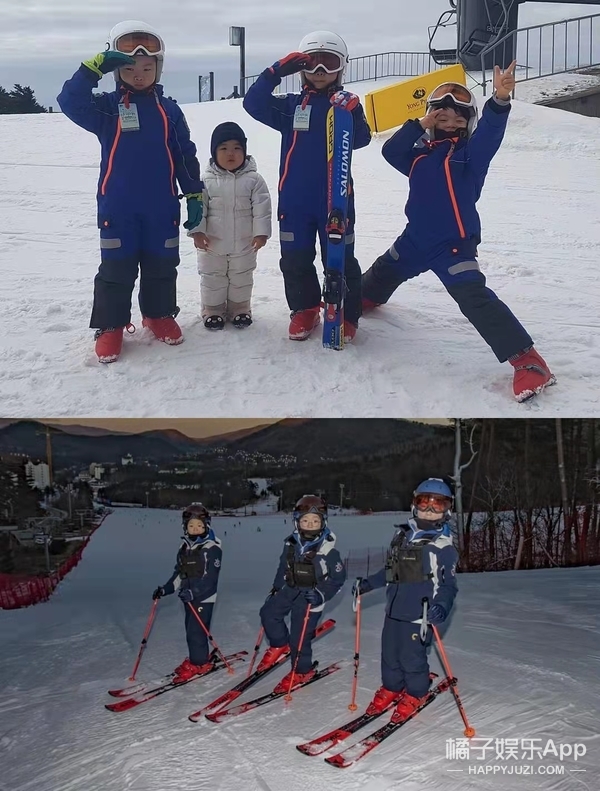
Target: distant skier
[(421, 564), (310, 573), (446, 156), (195, 579), (302, 211), (146, 150), (235, 225)]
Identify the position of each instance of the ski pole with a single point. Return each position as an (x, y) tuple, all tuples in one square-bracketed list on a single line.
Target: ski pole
[(356, 607), (144, 639), (469, 730), (288, 696), (210, 637), (261, 634)]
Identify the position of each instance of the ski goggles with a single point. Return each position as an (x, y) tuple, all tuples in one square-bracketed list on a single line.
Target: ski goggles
[(330, 62), (451, 90), (134, 43), (313, 509), (436, 502)]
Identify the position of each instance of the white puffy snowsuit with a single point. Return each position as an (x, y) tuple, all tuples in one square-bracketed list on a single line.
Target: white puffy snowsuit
[(237, 207)]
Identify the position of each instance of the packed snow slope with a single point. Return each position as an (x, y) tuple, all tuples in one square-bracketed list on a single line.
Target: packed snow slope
[(524, 645), (416, 357)]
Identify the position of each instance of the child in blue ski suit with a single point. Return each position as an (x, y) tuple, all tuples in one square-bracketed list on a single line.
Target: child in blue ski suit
[(302, 209), (447, 169), (195, 578), (310, 573), (146, 150), (421, 565)]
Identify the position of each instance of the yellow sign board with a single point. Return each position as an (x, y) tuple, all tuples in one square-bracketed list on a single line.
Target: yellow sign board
[(393, 105)]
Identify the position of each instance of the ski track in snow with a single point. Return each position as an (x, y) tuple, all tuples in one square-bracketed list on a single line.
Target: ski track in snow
[(523, 645), (416, 357)]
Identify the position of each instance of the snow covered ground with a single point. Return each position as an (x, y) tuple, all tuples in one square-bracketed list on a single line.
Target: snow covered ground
[(525, 647), (416, 357)]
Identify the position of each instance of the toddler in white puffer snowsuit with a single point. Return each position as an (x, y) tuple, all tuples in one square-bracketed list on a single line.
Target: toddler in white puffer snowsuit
[(236, 224)]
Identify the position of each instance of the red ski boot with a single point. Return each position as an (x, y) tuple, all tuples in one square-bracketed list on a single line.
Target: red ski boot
[(187, 670), (109, 343), (271, 656), (383, 699), (368, 305), (166, 329), (299, 678), (531, 375), (406, 706), (303, 323)]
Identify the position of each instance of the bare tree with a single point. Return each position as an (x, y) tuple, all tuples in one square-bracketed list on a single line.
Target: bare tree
[(457, 477)]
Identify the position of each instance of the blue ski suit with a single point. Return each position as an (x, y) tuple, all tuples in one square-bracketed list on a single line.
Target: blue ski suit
[(302, 208), (197, 569), (330, 574), (138, 204), (443, 230), (403, 656)]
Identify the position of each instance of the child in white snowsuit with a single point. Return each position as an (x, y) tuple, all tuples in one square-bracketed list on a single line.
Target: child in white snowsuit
[(236, 224)]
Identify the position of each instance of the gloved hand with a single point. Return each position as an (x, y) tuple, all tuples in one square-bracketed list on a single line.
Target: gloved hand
[(158, 593), (105, 62), (361, 585), (437, 614), (272, 593), (345, 100), (313, 596), (291, 64), (195, 210), (185, 594)]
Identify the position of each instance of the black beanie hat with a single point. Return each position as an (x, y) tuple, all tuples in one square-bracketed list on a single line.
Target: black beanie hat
[(227, 131)]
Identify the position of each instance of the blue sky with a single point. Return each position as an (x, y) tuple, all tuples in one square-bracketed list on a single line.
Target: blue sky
[(43, 41)]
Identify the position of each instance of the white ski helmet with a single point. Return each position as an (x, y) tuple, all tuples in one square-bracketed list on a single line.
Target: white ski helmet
[(326, 41), (459, 98), (137, 38)]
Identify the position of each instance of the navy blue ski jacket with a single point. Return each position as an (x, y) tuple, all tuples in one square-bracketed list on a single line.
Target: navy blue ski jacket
[(404, 600), (204, 588), (446, 177), (331, 572), (139, 170), (303, 160)]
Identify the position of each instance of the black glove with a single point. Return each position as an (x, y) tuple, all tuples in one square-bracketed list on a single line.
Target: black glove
[(313, 596), (158, 593), (361, 585), (291, 64), (185, 594), (272, 593), (436, 615)]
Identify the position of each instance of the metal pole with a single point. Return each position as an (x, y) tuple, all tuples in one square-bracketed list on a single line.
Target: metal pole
[(47, 552), (211, 80), (200, 88), (458, 481), (221, 496), (49, 454), (242, 62)]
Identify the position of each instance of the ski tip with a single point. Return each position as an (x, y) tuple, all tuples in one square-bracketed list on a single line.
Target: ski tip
[(335, 760)]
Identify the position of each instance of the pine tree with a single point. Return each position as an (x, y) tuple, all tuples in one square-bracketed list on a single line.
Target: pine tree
[(19, 101)]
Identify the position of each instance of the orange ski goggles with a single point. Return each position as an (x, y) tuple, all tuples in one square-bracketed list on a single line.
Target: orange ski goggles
[(436, 502), (134, 43)]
